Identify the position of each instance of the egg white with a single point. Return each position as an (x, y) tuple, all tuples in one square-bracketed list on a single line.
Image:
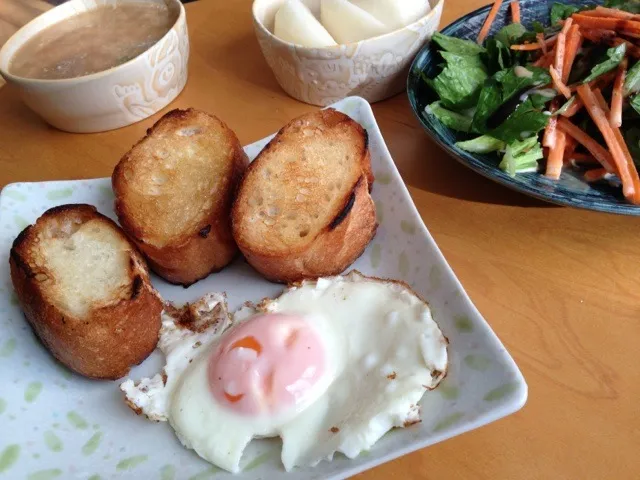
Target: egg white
[(385, 352)]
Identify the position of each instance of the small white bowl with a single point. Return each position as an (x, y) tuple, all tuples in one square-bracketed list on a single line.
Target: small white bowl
[(374, 69), (112, 98)]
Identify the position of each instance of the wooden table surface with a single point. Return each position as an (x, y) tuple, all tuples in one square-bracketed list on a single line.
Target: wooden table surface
[(560, 287)]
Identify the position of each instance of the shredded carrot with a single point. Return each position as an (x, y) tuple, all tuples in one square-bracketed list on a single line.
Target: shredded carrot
[(607, 23), (489, 21), (515, 11), (601, 82), (610, 38), (615, 116), (542, 43), (567, 25), (573, 44), (630, 32), (600, 11), (598, 35), (526, 47), (558, 60), (555, 158), (595, 175), (574, 108), (558, 84), (602, 103), (549, 137), (632, 49), (544, 61), (592, 146), (599, 118)]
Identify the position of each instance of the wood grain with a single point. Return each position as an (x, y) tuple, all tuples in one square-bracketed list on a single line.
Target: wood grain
[(560, 287)]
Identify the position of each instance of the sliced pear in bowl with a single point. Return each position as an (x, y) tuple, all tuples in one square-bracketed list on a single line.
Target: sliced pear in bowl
[(393, 13), (348, 23), (295, 23)]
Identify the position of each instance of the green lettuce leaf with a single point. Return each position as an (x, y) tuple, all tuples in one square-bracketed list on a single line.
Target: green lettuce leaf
[(482, 144), (521, 156), (497, 56), (457, 45), (540, 100), (459, 83), (635, 103), (632, 6), (453, 120), (501, 88), (517, 79), (632, 80), (511, 34), (537, 27), (524, 122), (489, 101), (613, 58), (560, 11)]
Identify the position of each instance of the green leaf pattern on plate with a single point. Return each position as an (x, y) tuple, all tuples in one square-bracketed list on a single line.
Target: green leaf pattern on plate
[(52, 441), (76, 420), (477, 362), (8, 457), (500, 392), (14, 195), (448, 421), (32, 391), (131, 462), (60, 193), (92, 444), (403, 265), (8, 347), (376, 254), (49, 474), (408, 227), (168, 472)]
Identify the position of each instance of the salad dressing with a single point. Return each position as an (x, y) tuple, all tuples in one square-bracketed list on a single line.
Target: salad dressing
[(522, 72)]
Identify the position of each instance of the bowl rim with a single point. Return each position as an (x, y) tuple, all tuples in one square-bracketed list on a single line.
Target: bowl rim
[(603, 206), (10, 77), (340, 46)]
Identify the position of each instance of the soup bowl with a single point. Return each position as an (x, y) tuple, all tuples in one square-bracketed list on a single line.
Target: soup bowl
[(374, 69), (112, 98)]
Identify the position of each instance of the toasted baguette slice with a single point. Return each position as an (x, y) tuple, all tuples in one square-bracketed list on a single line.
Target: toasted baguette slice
[(174, 191), (303, 208), (85, 290)]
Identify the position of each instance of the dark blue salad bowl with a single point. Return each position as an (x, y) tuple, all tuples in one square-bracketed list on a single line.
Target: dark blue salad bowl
[(571, 189)]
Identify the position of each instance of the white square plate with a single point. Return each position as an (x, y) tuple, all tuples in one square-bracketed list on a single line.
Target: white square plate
[(54, 424)]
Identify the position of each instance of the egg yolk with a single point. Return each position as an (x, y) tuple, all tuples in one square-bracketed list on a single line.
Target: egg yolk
[(267, 364)]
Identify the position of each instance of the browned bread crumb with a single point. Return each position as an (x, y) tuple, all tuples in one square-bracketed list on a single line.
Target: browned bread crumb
[(303, 208), (85, 291), (174, 191)]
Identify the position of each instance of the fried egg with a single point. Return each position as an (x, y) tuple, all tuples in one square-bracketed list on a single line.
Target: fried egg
[(329, 366)]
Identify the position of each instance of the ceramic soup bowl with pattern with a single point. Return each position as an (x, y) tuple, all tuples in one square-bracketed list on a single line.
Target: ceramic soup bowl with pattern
[(112, 98), (374, 69)]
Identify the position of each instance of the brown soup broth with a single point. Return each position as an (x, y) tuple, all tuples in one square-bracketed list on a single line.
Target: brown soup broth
[(93, 41)]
